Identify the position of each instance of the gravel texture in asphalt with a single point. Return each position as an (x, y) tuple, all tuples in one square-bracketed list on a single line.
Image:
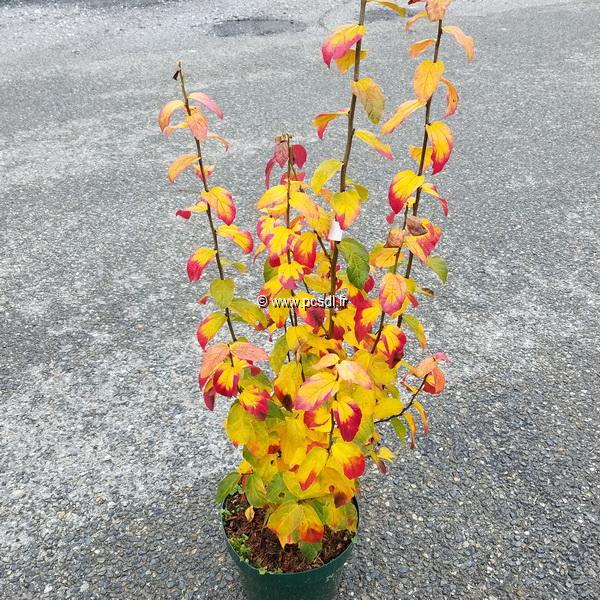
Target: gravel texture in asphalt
[(108, 459)]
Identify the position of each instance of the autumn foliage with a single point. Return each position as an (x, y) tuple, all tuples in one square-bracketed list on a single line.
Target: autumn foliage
[(309, 414)]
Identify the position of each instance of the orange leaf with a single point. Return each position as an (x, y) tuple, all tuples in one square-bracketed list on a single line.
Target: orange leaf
[(427, 77), (410, 421), (402, 112), (180, 164), (198, 125), (419, 47), (341, 40), (436, 9), (451, 98), (442, 142), (219, 138), (466, 41), (372, 140), (213, 357), (166, 112), (221, 201), (392, 293), (248, 351), (414, 19), (239, 236), (322, 121)]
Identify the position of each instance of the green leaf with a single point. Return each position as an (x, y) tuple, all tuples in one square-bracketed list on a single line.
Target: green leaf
[(248, 311), (438, 265), (278, 491), (255, 491), (417, 328), (310, 551), (226, 487), (221, 291), (268, 271), (357, 259), (279, 353), (323, 173), (400, 429)]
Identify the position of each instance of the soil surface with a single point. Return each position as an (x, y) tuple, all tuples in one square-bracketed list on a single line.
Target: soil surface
[(262, 549)]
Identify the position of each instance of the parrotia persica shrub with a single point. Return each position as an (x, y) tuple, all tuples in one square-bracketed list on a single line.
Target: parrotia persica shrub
[(311, 413)]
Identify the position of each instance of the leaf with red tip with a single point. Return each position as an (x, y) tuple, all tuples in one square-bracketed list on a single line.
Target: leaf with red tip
[(391, 344), (289, 274), (350, 458), (403, 185), (212, 358), (451, 98), (226, 379), (466, 41), (221, 201), (180, 164), (207, 102), (209, 327), (255, 401), (346, 206), (248, 351), (311, 467), (322, 121), (370, 96), (237, 235), (166, 112), (305, 249), (427, 77), (315, 390), (348, 416), (442, 142), (198, 261), (372, 140), (429, 188), (341, 40), (392, 293)]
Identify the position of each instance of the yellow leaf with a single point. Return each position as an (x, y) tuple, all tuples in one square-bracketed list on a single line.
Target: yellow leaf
[(420, 47), (391, 5), (451, 98), (402, 112), (322, 121), (348, 60), (166, 112), (347, 207), (427, 77), (284, 522), (442, 142), (372, 140), (414, 19), (466, 41), (316, 390), (323, 173), (371, 97), (180, 164)]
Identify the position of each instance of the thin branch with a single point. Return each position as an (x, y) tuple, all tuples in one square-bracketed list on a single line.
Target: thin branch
[(407, 407)]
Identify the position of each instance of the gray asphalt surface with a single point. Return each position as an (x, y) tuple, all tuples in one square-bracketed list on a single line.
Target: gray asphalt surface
[(108, 459)]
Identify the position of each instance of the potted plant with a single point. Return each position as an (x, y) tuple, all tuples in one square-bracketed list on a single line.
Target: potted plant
[(309, 413)]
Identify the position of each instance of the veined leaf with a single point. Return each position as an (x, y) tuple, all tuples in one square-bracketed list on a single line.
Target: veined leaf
[(226, 487), (427, 77), (417, 328), (357, 259), (323, 173), (372, 140), (371, 97), (221, 291)]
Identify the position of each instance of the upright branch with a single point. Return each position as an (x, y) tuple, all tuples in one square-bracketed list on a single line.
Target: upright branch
[(345, 163), (203, 175)]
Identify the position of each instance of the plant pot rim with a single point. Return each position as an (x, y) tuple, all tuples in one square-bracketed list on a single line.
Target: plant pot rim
[(339, 557)]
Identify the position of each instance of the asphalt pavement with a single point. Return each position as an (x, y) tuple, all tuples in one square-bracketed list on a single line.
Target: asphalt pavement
[(108, 458)]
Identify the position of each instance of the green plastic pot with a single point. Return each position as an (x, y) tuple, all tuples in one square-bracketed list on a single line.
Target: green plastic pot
[(321, 583)]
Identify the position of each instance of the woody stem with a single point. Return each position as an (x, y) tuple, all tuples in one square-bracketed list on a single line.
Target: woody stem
[(206, 189)]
